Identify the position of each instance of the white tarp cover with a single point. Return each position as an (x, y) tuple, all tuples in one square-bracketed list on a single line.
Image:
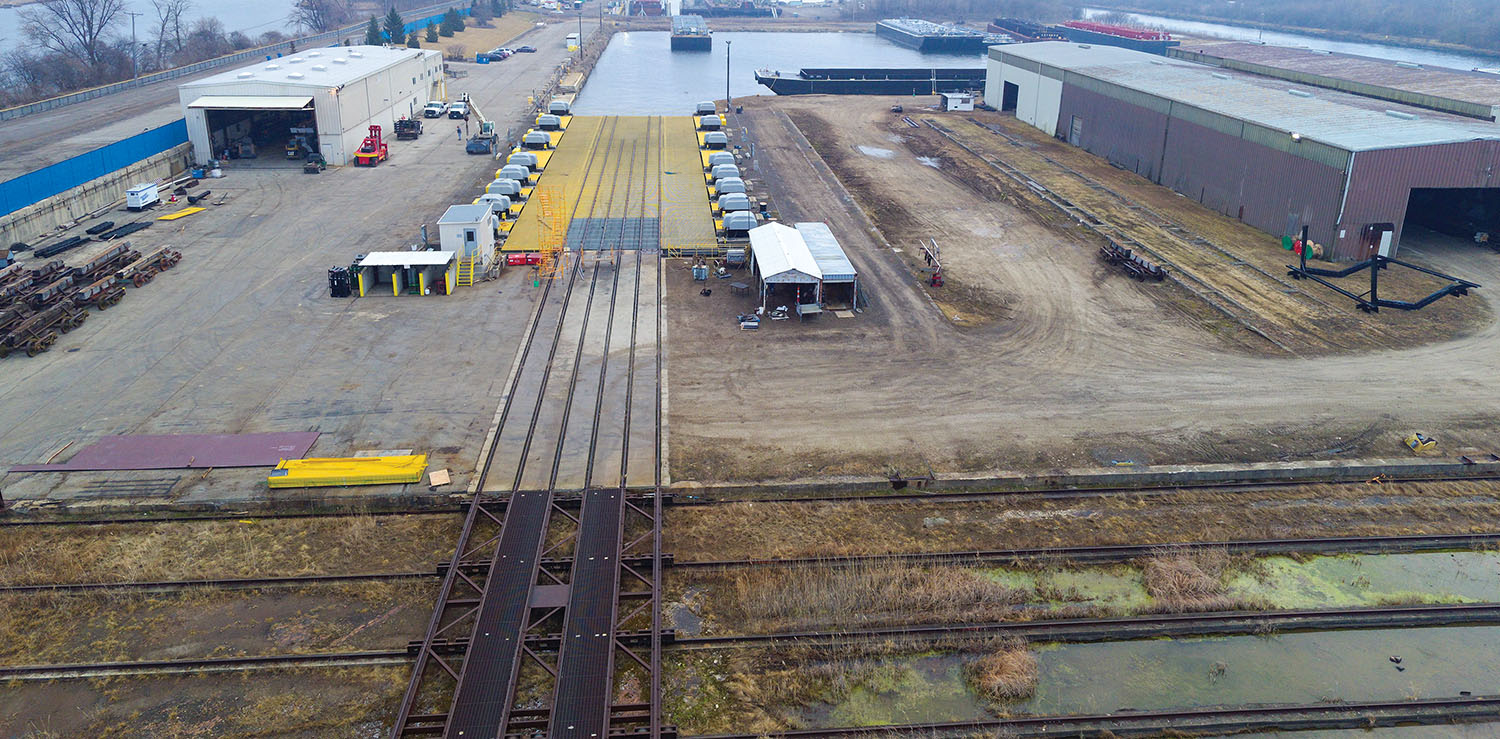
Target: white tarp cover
[(826, 252), (782, 255), (252, 102), (406, 258)]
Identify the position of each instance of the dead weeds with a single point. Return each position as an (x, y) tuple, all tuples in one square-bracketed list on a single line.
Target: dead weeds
[(1008, 672)]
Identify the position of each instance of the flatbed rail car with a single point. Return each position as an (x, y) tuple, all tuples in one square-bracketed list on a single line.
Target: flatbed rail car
[(53, 291), (12, 316), (143, 269), (39, 332), (107, 263), (19, 288), (101, 293)]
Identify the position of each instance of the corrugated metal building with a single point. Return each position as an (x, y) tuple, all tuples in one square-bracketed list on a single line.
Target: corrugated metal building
[(329, 96), (1272, 155)]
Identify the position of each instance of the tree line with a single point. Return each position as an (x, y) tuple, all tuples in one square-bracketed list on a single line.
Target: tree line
[(1472, 23), (957, 10), (70, 45)]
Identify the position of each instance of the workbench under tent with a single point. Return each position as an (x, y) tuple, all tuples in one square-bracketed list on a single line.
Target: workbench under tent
[(784, 269), (839, 288), (408, 272)]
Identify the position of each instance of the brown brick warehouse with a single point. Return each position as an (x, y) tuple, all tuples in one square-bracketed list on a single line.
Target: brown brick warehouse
[(1273, 153)]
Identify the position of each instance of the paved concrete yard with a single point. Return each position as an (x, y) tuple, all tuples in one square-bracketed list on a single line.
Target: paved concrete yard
[(242, 335)]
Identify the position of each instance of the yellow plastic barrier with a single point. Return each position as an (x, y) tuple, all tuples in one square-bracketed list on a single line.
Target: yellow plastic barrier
[(325, 471), (181, 213)]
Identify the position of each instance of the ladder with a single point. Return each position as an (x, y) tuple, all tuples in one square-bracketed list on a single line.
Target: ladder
[(554, 238)]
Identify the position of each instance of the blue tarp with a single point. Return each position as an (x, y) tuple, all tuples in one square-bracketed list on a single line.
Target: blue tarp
[(34, 187)]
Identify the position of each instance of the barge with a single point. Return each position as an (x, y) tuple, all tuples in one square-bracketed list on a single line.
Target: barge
[(690, 33), (1024, 31), (926, 36), (1128, 37), (870, 81)]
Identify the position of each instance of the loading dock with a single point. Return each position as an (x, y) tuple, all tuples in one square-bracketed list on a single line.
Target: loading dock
[(249, 127)]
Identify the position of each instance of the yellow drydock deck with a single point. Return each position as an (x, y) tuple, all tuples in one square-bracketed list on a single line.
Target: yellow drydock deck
[(635, 179)]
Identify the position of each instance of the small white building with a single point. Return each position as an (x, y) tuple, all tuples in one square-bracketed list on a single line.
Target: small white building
[(321, 100), (957, 100), (785, 270), (469, 232)]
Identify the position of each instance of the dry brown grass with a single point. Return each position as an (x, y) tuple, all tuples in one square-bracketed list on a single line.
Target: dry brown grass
[(863, 595), (1187, 581), (829, 529), (1007, 672), (232, 548)]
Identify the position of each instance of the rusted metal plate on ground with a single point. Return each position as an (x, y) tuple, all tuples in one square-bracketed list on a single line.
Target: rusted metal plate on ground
[(180, 451)]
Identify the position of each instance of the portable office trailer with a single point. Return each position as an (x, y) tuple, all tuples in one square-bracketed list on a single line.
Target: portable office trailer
[(469, 232)]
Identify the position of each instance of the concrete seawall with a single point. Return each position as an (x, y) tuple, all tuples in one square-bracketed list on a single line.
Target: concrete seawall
[(34, 222)]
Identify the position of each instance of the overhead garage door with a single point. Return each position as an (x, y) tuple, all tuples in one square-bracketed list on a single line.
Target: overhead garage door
[(250, 102)]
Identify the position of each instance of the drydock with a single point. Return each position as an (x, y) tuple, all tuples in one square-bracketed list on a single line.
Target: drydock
[(611, 177)]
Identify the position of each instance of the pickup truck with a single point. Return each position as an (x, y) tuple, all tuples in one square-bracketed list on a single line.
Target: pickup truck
[(459, 109), (434, 109), (408, 128)]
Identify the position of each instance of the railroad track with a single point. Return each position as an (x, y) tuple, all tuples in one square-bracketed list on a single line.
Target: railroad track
[(1150, 626), (227, 583), (1183, 722), (207, 664), (1063, 493), (17, 520), (1117, 553)]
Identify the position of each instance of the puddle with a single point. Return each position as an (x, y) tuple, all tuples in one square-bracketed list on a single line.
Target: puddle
[(871, 151), (1161, 674), (931, 162)]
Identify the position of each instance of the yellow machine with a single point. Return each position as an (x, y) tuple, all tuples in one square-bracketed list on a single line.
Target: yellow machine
[(1420, 442)]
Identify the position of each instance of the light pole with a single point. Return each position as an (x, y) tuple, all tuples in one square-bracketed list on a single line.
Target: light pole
[(580, 34), (134, 47), (728, 105)]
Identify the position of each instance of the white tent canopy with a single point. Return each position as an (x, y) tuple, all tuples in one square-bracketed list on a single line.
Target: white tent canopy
[(781, 256)]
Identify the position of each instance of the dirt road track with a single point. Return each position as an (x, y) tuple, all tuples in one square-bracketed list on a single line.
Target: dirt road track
[(1080, 367)]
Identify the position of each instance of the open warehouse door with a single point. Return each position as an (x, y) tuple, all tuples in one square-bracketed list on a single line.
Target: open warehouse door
[(269, 128)]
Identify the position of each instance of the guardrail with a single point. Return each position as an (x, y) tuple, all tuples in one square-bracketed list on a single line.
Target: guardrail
[(170, 74)]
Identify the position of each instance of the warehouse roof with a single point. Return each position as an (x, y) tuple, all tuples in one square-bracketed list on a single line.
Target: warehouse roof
[(325, 67), (825, 250), (1327, 69), (1341, 120)]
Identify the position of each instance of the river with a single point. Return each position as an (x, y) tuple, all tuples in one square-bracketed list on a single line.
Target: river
[(1278, 38), (639, 72), (253, 18)]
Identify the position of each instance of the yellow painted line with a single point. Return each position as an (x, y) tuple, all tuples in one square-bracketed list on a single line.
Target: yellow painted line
[(181, 213), (326, 471)]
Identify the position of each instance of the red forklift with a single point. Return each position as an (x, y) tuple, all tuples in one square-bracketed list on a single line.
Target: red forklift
[(373, 151)]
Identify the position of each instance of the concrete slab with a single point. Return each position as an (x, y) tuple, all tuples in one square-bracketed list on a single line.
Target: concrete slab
[(181, 451)]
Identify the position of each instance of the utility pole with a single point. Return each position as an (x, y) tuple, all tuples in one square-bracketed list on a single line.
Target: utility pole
[(580, 34), (728, 104), (135, 51)]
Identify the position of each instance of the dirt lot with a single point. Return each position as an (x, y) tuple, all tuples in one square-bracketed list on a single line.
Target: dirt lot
[(1034, 354)]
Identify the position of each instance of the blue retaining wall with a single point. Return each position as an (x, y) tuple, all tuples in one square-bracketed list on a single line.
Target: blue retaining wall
[(34, 187)]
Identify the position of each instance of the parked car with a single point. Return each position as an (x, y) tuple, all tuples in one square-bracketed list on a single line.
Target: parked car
[(526, 49), (434, 109), (459, 109), (494, 55)]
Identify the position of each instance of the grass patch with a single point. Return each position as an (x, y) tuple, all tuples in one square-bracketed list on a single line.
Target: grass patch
[(1007, 672)]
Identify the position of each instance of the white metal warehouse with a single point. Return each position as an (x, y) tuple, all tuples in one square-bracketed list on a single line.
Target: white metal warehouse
[(321, 100)]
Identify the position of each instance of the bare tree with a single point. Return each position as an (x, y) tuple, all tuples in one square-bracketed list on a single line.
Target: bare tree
[(72, 27), (169, 26), (319, 16)]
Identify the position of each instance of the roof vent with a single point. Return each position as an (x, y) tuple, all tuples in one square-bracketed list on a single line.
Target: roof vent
[(1402, 115), (320, 68), (1408, 65), (1084, 46), (245, 75), (315, 53), (357, 54), (1158, 61), (295, 76), (340, 60), (1324, 52), (1221, 75), (294, 60), (273, 66), (1300, 93)]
